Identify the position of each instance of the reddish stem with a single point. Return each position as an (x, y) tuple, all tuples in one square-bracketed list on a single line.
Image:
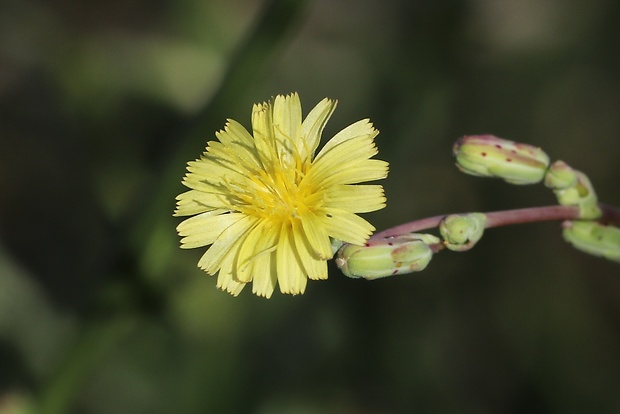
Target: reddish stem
[(610, 215), (531, 215)]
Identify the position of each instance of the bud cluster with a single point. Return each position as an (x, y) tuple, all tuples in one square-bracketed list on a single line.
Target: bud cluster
[(516, 163), (406, 251), (411, 252)]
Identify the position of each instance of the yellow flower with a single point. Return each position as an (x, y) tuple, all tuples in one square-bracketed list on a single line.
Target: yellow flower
[(268, 207)]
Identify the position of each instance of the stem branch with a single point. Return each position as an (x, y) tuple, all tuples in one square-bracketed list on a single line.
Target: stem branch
[(610, 215)]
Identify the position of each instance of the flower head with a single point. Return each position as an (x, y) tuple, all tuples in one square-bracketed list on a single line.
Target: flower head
[(269, 207)]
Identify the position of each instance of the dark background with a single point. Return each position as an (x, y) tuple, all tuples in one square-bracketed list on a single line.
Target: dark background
[(102, 104)]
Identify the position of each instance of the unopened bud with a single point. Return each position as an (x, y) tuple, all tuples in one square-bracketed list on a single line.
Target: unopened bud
[(490, 156), (560, 176), (394, 256), (462, 231), (594, 238), (581, 194)]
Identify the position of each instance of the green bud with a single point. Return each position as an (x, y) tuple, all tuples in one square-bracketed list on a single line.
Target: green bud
[(560, 176), (462, 232), (394, 256), (490, 156), (594, 238), (581, 194)]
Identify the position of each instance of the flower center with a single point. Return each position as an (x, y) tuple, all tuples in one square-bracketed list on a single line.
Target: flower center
[(280, 195)]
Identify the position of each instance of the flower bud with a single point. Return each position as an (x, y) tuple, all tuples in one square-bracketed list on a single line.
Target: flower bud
[(462, 231), (394, 256), (594, 238), (560, 175), (490, 156), (581, 194)]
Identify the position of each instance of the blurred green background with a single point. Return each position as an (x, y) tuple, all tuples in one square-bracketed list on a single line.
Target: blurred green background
[(102, 104)]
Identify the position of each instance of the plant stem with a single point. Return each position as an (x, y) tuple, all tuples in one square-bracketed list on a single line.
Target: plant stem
[(531, 215), (610, 215)]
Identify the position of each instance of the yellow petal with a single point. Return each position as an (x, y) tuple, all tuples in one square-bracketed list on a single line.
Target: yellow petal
[(238, 158), (262, 129), (265, 276), (291, 276), (312, 127), (226, 244), (194, 202), (344, 158), (205, 228), (353, 150), (355, 198), (225, 280), (235, 133), (314, 267), (319, 271), (316, 236), (368, 170), (347, 227), (265, 284), (247, 251), (359, 129), (287, 126), (219, 163)]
